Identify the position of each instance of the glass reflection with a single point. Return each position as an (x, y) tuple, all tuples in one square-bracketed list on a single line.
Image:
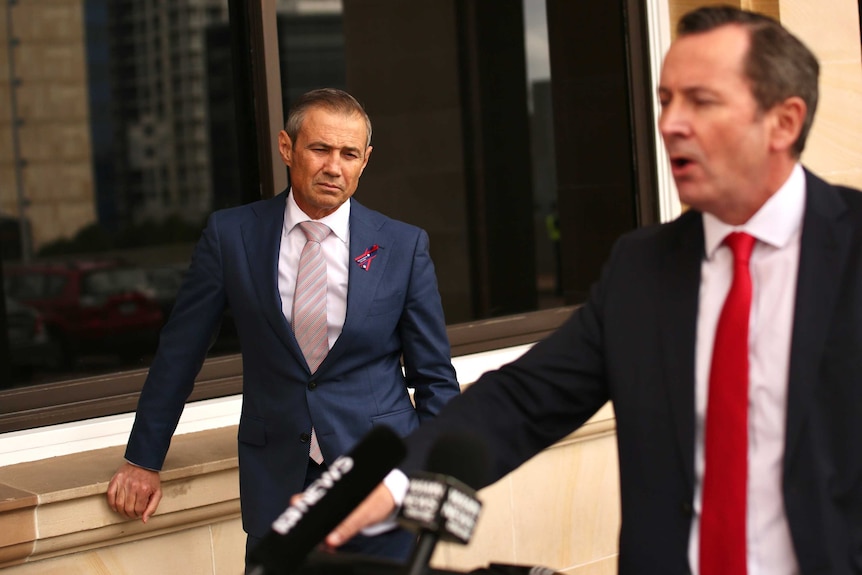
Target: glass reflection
[(118, 137), (109, 164), (546, 221)]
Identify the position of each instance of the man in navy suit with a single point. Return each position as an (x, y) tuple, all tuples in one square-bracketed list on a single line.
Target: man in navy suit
[(382, 308), (738, 94)]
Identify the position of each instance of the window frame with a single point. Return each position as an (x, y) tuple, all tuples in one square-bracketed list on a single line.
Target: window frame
[(85, 398), (256, 65)]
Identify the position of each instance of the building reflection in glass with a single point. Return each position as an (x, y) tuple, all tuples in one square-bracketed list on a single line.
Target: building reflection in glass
[(127, 140)]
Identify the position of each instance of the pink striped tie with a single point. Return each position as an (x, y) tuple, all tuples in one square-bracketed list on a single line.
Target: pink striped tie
[(309, 308)]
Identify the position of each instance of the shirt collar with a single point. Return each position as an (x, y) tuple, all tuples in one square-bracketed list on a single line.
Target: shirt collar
[(775, 223), (338, 221)]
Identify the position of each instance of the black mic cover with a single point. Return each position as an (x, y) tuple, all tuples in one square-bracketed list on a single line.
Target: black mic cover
[(326, 502), (322, 563), (441, 504)]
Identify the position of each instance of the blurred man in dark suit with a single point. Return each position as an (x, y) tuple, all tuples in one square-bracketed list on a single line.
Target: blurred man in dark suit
[(729, 340)]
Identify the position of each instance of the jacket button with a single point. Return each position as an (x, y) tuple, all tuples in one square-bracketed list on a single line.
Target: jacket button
[(686, 508), (312, 385), (304, 437)]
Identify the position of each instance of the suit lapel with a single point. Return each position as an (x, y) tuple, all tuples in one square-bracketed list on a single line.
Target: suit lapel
[(823, 255), (678, 308), (365, 232), (262, 240)]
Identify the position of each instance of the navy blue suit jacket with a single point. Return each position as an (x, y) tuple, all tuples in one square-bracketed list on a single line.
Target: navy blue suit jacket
[(633, 343), (393, 310)]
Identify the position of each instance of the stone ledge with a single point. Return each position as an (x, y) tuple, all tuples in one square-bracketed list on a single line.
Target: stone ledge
[(57, 506)]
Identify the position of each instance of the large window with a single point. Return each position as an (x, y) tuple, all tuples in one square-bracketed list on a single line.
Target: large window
[(112, 160), (124, 123), (436, 80)]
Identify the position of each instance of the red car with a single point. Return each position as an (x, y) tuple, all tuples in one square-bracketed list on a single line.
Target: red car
[(90, 308)]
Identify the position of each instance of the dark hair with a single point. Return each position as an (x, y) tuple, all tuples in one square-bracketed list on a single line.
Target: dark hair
[(778, 65), (330, 99)]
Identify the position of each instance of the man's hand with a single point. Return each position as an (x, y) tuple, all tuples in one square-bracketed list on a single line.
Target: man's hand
[(378, 506), (135, 491)]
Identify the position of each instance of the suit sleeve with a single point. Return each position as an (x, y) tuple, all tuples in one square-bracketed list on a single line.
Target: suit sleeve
[(425, 344), (533, 402), (183, 344)]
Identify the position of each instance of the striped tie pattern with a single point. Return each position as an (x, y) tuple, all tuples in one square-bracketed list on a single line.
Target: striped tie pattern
[(309, 307)]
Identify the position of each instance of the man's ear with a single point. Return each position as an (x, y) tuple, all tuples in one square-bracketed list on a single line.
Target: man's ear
[(365, 162), (788, 118), (285, 148)]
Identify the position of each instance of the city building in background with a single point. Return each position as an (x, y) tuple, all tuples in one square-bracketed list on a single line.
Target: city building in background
[(135, 119), (47, 186), (310, 48), (99, 87), (159, 107), (130, 134)]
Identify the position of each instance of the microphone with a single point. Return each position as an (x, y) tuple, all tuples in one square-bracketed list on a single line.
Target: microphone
[(326, 502), (441, 504)]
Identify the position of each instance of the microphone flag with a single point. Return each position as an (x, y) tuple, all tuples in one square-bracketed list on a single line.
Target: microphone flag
[(441, 504)]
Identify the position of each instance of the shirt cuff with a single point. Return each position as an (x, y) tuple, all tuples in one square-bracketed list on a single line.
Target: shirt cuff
[(397, 483), (159, 470)]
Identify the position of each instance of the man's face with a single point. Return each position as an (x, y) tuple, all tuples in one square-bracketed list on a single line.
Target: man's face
[(718, 140), (326, 160)]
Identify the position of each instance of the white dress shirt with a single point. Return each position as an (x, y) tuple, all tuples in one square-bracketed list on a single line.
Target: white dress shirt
[(774, 264), (336, 251)]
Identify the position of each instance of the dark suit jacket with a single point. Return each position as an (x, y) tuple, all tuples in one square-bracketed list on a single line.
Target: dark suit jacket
[(393, 308), (633, 343)]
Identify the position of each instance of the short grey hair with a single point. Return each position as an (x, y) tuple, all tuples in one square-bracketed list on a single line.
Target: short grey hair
[(330, 99)]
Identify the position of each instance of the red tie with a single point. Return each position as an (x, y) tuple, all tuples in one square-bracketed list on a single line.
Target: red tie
[(722, 522)]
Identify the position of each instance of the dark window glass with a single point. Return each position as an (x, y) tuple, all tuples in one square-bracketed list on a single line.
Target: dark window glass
[(127, 122), (460, 99), (546, 217), (118, 107)]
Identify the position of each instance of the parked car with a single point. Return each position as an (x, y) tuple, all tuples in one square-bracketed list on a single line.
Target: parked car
[(30, 345), (90, 307), (164, 283)]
